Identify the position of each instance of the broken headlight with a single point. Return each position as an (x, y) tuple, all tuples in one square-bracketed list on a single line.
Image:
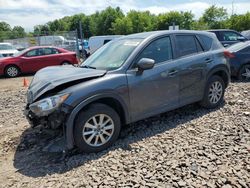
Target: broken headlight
[(46, 106)]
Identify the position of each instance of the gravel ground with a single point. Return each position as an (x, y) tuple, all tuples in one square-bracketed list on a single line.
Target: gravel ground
[(188, 147)]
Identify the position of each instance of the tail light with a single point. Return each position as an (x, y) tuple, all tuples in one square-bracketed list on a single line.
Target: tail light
[(228, 54)]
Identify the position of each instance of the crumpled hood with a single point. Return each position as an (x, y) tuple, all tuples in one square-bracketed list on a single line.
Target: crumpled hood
[(51, 77)]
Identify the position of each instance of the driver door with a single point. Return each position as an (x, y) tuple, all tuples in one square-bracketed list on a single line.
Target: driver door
[(155, 90), (31, 61)]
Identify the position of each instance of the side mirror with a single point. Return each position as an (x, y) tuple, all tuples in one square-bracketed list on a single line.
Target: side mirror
[(145, 64)]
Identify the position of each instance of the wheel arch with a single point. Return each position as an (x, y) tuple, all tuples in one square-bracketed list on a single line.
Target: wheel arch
[(66, 61), (222, 71), (112, 100)]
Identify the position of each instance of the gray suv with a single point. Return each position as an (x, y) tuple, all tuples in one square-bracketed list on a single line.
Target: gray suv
[(128, 79)]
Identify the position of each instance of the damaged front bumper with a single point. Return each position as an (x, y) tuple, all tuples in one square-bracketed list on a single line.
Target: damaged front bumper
[(53, 121)]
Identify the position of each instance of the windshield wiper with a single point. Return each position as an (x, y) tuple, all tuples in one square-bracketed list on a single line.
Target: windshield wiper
[(88, 67)]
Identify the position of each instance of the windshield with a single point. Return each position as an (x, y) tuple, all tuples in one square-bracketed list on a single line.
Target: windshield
[(6, 47), (238, 46), (112, 55)]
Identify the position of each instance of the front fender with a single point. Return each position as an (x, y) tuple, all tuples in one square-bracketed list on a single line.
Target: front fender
[(69, 126)]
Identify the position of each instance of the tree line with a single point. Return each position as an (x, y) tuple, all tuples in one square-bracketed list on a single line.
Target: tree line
[(113, 21)]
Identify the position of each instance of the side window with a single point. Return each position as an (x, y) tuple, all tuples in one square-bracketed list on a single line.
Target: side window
[(187, 44), (229, 36), (32, 53), (159, 50), (47, 51)]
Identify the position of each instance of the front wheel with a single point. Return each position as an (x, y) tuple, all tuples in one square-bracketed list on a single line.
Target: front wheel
[(214, 92), (96, 128), (12, 71)]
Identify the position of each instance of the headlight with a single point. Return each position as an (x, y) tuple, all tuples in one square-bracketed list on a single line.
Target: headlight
[(47, 105)]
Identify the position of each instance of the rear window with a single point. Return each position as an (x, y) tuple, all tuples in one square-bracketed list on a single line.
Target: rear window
[(187, 44), (206, 42)]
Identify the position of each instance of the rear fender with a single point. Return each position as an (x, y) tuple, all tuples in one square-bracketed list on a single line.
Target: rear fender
[(219, 68)]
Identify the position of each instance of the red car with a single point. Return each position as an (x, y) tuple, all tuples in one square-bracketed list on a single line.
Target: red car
[(33, 59)]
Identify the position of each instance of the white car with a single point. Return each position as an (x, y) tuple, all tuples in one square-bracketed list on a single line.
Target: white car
[(6, 49), (98, 41)]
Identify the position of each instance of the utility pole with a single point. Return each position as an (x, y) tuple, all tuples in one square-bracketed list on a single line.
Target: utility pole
[(80, 30), (77, 45)]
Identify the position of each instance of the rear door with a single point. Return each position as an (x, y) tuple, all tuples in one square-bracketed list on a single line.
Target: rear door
[(192, 61), (154, 90)]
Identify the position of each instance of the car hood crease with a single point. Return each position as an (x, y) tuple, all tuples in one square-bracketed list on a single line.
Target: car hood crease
[(51, 77)]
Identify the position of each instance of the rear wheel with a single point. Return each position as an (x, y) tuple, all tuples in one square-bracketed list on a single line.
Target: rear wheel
[(96, 128), (214, 92), (12, 71), (244, 73)]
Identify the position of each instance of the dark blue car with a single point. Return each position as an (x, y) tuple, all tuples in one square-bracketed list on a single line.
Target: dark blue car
[(240, 61)]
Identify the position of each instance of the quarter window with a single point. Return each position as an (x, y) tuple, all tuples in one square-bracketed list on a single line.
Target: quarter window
[(206, 42), (159, 50)]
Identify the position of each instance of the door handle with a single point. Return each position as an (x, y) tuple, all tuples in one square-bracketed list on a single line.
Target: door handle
[(208, 60), (172, 73)]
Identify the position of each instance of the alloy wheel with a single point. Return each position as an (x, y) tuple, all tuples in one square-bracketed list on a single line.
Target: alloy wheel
[(246, 73), (215, 92), (12, 71), (98, 130)]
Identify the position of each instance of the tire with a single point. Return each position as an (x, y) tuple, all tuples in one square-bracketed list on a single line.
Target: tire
[(66, 63), (244, 73), (11, 71), (214, 92), (96, 138)]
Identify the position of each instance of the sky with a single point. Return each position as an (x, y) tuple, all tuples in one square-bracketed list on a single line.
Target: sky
[(28, 13)]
